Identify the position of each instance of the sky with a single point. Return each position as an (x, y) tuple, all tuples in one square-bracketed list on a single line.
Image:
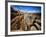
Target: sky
[(28, 9)]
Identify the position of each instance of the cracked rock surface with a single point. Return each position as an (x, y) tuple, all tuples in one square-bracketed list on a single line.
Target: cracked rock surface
[(25, 21)]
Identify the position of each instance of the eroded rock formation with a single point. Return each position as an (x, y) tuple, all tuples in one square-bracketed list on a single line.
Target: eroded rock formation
[(25, 21)]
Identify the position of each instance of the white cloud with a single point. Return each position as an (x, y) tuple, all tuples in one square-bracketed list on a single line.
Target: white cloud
[(25, 11), (30, 11)]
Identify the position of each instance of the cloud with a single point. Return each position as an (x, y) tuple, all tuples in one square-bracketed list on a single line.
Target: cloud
[(26, 11)]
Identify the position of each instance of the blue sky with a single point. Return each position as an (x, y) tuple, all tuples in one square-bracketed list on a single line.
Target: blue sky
[(28, 9)]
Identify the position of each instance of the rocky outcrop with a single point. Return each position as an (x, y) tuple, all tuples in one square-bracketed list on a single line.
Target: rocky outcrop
[(25, 21)]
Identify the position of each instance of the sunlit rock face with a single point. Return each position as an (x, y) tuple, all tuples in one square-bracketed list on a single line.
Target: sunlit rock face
[(25, 21), (32, 19)]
